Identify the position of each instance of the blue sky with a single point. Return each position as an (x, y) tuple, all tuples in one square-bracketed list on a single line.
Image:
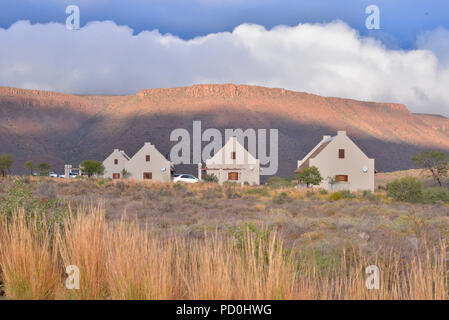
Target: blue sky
[(401, 20), (315, 46)]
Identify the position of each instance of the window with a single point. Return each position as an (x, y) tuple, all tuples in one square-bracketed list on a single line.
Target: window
[(147, 175), (233, 155), (341, 178), (233, 176), (116, 176), (115, 161), (147, 158), (341, 153)]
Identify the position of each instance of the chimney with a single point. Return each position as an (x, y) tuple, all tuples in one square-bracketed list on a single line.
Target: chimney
[(341, 133)]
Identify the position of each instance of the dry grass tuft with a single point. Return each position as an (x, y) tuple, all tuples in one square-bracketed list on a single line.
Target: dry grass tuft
[(28, 258)]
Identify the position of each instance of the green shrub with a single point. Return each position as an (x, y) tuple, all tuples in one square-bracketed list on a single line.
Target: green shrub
[(278, 182), (323, 191), (335, 196), (310, 193), (20, 196), (369, 195), (260, 191), (281, 198), (432, 195), (263, 240), (210, 178), (407, 189), (121, 186), (231, 190), (346, 194)]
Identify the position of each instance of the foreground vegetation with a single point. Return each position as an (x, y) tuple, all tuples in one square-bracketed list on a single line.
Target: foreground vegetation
[(138, 240)]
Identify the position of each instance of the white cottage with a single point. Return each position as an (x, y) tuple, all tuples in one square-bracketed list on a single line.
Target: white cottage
[(115, 163), (341, 163), (147, 164), (233, 163)]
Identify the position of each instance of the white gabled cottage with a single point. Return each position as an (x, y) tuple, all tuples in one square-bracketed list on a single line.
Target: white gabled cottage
[(341, 164), (233, 163), (115, 163), (147, 164)]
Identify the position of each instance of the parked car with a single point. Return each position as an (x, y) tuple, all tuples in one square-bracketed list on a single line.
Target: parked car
[(175, 175), (187, 178), (73, 175), (62, 176), (53, 175)]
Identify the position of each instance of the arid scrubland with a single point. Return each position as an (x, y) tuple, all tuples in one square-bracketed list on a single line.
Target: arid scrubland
[(136, 240)]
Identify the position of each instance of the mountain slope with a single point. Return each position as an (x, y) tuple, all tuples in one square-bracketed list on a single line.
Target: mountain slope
[(62, 128)]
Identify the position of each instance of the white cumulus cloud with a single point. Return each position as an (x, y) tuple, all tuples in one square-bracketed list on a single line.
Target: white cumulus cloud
[(326, 59)]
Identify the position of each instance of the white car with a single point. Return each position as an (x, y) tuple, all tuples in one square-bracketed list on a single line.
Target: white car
[(62, 176), (187, 178), (73, 175), (53, 175)]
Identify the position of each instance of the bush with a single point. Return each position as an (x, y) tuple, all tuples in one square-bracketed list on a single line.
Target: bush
[(369, 195), (346, 194), (210, 178), (259, 191), (433, 195), (335, 196), (278, 182), (323, 191), (407, 189), (310, 193), (121, 186), (230, 190), (281, 198)]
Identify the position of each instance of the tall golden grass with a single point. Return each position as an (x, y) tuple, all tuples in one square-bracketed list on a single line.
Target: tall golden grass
[(123, 260)]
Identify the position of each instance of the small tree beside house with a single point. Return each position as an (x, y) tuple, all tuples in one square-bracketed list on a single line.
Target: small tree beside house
[(125, 174), (210, 178), (92, 167), (309, 176)]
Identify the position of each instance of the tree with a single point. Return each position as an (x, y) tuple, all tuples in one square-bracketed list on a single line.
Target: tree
[(29, 165), (6, 162), (125, 174), (92, 167), (436, 162), (310, 176), (43, 169)]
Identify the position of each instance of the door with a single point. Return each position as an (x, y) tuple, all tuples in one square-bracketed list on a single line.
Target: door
[(116, 176)]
